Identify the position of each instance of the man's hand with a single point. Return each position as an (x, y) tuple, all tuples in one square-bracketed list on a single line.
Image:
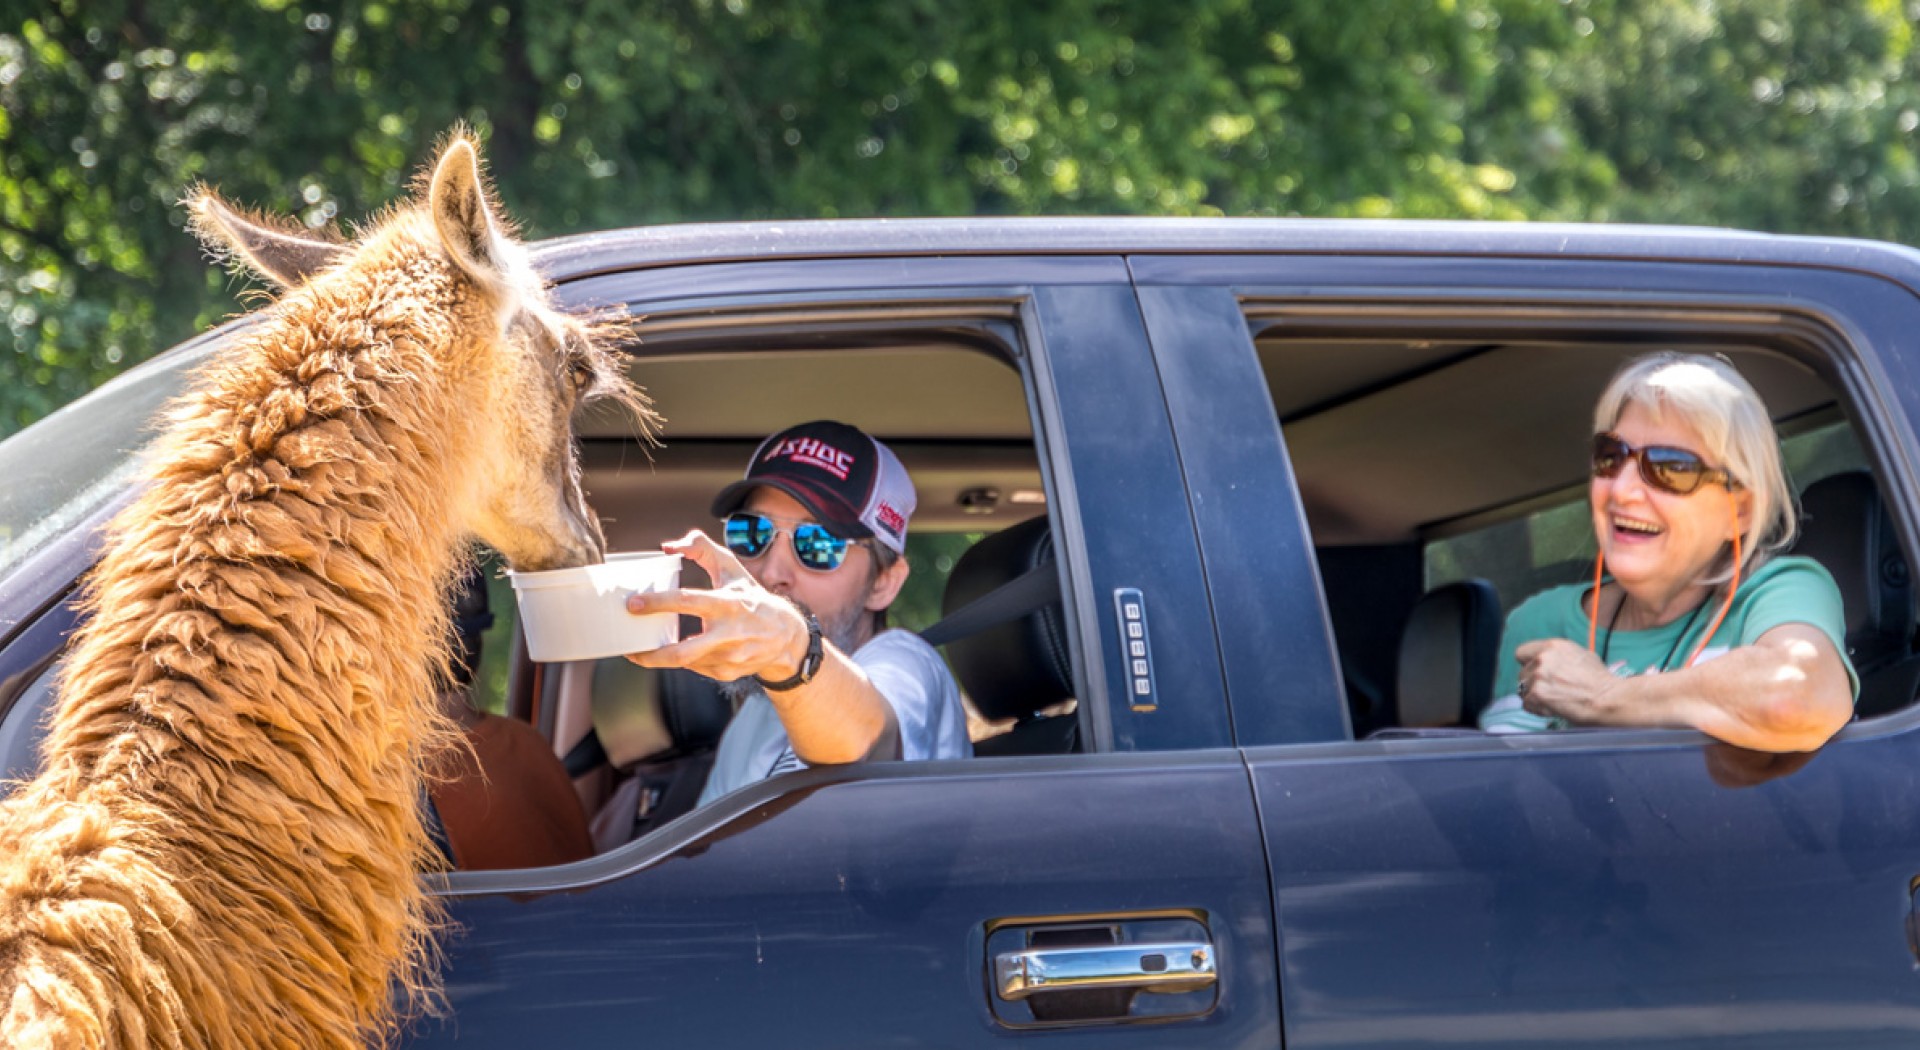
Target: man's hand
[(1560, 678), (747, 630)]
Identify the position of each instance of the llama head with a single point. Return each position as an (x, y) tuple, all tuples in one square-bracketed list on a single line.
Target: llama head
[(520, 366)]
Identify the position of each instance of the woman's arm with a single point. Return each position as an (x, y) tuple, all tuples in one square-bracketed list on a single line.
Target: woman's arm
[(1788, 691)]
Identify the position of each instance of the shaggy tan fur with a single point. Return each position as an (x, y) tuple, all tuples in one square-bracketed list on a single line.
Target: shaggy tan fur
[(224, 846)]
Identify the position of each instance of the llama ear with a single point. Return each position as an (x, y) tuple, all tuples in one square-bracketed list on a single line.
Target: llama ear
[(459, 206), (284, 258)]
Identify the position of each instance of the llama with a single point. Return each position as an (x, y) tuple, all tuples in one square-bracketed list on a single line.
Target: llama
[(224, 846)]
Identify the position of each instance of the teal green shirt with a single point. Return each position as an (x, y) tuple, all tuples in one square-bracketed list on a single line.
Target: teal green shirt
[(1784, 590)]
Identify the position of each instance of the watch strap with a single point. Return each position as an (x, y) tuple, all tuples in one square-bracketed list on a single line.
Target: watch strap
[(809, 664)]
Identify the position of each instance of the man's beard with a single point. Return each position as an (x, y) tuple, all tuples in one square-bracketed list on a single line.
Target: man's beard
[(841, 630)]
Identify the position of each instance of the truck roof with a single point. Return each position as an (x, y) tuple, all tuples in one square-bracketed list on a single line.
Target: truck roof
[(644, 247)]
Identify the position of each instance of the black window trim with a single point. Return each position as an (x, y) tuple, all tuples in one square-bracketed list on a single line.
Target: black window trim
[(1799, 329), (1002, 322)]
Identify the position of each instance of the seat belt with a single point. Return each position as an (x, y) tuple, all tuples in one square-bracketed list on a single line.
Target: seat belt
[(586, 755), (1033, 589)]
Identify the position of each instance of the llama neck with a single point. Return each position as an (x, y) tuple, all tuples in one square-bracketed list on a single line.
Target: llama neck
[(252, 695), (288, 560)]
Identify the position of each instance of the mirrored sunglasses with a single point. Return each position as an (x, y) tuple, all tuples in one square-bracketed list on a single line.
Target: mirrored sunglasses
[(749, 536)]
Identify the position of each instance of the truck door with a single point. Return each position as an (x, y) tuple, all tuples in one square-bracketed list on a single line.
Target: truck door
[(1111, 895), (1437, 886)]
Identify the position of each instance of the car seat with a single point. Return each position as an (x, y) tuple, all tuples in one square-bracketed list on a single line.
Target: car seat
[(659, 729), (1845, 527), (1018, 668), (1447, 653)]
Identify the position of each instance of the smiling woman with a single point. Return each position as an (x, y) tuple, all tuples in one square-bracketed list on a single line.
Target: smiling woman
[(1690, 620)]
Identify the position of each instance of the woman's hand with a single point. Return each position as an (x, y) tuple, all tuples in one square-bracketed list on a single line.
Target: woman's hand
[(746, 629), (1561, 679)]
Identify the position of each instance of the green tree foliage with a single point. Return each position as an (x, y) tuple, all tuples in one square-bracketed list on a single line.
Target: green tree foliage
[(1770, 114)]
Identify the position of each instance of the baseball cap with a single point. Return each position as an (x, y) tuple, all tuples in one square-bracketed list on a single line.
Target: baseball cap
[(851, 483)]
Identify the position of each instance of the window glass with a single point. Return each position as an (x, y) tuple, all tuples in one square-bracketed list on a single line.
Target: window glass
[(1820, 453), (22, 729), (497, 643), (1519, 557), (66, 466), (932, 557)]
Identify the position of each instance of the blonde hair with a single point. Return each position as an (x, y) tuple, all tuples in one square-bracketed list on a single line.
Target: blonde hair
[(1709, 396)]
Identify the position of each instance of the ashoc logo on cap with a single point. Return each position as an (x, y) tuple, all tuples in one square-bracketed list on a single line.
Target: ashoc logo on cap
[(813, 452), (846, 479)]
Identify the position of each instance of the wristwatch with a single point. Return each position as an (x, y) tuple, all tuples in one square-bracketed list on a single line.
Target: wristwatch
[(809, 664)]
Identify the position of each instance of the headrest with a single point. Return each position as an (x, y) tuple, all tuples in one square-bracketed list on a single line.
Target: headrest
[(467, 602), (696, 712), (640, 713), (469, 617), (1017, 668), (1845, 527), (1447, 654)]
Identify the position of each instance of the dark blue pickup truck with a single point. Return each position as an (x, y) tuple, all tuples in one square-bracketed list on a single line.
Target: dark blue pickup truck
[(1286, 474)]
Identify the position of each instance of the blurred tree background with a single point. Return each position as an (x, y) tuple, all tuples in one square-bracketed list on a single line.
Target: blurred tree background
[(1769, 114)]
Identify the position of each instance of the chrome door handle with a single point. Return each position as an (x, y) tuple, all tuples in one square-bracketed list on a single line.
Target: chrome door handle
[(1180, 967)]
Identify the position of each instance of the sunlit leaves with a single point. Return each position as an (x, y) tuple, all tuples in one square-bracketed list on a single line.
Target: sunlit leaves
[(1772, 114)]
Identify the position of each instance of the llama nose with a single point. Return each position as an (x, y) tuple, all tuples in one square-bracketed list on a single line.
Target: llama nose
[(588, 540), (591, 540), (578, 544), (586, 548)]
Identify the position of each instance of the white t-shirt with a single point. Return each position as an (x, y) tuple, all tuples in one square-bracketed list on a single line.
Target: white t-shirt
[(906, 670)]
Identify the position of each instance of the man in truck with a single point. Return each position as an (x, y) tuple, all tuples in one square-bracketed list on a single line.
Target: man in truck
[(795, 621)]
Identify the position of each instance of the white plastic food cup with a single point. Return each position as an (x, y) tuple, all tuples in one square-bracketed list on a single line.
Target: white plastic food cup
[(581, 613)]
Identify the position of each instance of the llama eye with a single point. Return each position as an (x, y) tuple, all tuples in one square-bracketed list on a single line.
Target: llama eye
[(580, 371)]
